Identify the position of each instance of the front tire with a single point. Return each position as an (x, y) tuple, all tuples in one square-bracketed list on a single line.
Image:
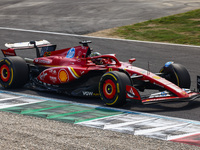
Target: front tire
[(177, 74), (112, 88), (13, 72)]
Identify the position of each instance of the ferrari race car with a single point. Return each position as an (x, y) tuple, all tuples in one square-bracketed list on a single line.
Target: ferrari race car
[(78, 71)]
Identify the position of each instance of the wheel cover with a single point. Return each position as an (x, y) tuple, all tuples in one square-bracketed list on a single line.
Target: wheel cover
[(5, 73), (109, 89)]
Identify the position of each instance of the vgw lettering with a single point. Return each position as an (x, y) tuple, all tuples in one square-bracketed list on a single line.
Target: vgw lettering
[(87, 93)]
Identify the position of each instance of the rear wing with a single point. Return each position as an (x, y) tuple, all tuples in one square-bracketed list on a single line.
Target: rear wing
[(44, 44)]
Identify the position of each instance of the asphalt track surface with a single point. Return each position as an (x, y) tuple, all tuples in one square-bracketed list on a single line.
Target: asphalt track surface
[(77, 17), (81, 17)]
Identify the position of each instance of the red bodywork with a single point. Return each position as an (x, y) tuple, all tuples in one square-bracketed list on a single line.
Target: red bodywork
[(69, 69), (67, 65)]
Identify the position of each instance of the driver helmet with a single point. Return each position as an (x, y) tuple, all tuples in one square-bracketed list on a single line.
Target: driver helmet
[(97, 61), (95, 54)]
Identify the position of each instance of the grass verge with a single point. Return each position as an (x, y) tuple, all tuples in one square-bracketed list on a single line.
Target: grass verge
[(182, 28)]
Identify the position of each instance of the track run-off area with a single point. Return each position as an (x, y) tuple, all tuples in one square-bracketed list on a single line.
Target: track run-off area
[(119, 120)]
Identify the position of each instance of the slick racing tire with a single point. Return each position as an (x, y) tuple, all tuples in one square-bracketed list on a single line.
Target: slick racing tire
[(177, 74), (13, 72), (112, 88)]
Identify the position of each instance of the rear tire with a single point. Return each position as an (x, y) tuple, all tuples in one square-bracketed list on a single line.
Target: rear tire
[(177, 74), (112, 88), (13, 72)]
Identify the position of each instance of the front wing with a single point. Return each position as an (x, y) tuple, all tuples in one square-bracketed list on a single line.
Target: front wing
[(161, 97)]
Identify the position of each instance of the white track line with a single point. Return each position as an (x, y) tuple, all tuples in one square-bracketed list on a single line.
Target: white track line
[(84, 36), (10, 98), (182, 136), (156, 129), (110, 126)]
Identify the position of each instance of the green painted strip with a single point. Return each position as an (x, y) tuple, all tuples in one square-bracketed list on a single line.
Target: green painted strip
[(65, 112), (83, 120), (13, 109), (87, 115), (39, 105), (39, 114), (41, 109)]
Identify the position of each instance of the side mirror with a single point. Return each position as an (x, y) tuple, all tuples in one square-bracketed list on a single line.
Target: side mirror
[(132, 60)]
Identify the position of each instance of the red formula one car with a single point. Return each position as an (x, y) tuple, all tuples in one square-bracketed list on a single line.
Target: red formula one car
[(79, 72)]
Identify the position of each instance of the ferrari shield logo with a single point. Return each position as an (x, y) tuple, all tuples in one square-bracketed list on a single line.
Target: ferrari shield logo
[(132, 93)]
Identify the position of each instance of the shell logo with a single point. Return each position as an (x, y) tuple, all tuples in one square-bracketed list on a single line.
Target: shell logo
[(63, 75)]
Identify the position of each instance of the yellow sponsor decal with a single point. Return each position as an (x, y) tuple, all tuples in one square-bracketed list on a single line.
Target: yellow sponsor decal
[(75, 72), (47, 54), (156, 77), (63, 76), (184, 92), (96, 94)]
